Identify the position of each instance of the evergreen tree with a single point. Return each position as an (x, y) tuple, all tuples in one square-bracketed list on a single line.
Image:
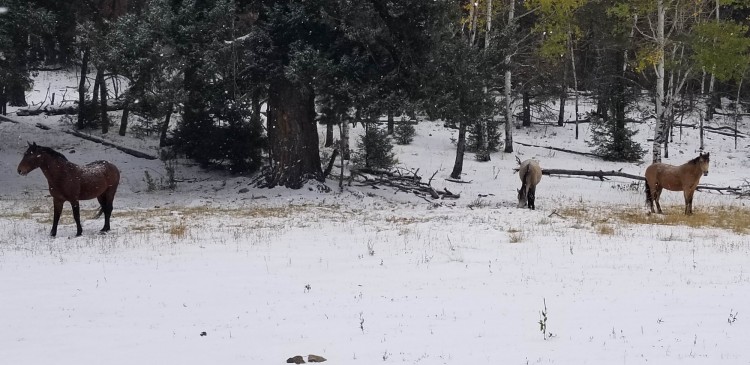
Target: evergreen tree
[(344, 51), (374, 149), (20, 22)]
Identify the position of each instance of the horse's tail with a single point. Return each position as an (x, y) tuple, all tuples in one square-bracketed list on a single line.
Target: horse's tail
[(649, 197), (99, 213)]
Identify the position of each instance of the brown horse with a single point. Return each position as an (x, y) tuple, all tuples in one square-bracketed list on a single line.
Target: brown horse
[(675, 178), (530, 174), (70, 182)]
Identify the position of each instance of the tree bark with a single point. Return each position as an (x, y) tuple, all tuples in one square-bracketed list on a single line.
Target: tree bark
[(345, 149), (3, 101), (737, 110), (660, 114), (526, 109), (165, 126), (458, 166), (82, 91), (103, 108), (391, 123), (508, 110), (17, 94), (563, 97), (292, 135), (124, 119), (329, 134)]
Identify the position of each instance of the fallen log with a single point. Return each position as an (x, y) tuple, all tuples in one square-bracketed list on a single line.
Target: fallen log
[(112, 105), (589, 154), (129, 151), (603, 175)]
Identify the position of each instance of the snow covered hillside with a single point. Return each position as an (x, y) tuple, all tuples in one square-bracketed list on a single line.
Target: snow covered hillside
[(218, 271)]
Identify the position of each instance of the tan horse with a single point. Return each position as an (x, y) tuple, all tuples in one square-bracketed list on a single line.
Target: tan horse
[(530, 174), (70, 182), (675, 178)]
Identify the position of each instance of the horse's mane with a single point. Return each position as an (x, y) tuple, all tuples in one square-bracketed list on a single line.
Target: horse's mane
[(697, 160), (52, 152)]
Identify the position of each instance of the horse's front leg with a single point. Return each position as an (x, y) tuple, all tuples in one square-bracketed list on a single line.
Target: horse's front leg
[(689, 201), (77, 216), (56, 212)]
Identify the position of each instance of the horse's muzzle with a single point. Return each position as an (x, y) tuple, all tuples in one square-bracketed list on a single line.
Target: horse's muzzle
[(705, 173), (22, 173)]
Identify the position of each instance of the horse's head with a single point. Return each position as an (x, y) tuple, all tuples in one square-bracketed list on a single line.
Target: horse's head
[(32, 159), (522, 199), (703, 161)]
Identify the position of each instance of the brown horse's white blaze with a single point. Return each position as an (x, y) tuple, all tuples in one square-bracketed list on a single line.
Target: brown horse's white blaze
[(72, 183), (683, 178), (530, 174)]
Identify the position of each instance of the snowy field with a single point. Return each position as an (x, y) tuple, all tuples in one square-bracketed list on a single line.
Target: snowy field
[(220, 272)]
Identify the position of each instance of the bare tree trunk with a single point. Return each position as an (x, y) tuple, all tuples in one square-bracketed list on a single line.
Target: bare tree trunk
[(508, 84), (345, 149), (329, 134), (124, 119), (3, 101), (737, 111), (292, 134), (563, 96), (575, 76), (95, 95), (660, 115), (82, 91), (713, 101), (165, 126), (474, 13), (391, 126), (103, 108), (484, 132), (526, 109), (458, 165)]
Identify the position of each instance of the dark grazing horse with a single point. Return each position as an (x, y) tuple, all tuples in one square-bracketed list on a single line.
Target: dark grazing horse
[(530, 174), (675, 178), (70, 182)]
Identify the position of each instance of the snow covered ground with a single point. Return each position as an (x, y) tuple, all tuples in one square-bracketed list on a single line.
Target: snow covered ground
[(371, 276)]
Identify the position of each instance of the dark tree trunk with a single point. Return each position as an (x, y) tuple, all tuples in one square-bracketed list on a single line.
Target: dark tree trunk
[(82, 91), (292, 134), (124, 120), (3, 101), (458, 166), (563, 98), (256, 104), (103, 108), (165, 126), (390, 122), (526, 109), (17, 94), (95, 96), (329, 134)]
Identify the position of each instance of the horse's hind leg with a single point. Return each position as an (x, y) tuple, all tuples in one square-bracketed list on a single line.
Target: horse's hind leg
[(77, 216), (106, 209), (105, 200), (649, 197), (657, 195), (531, 197)]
